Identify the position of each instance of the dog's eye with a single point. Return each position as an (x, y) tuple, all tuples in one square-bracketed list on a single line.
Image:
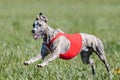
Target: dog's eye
[(39, 24)]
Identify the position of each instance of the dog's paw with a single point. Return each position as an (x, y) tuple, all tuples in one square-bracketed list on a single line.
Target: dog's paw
[(26, 62), (41, 65)]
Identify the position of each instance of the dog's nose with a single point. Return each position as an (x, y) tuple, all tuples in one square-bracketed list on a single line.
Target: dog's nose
[(33, 31)]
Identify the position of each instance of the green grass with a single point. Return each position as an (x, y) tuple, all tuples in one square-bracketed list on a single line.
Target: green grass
[(98, 17)]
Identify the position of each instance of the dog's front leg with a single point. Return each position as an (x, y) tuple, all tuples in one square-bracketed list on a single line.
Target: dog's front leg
[(34, 59), (44, 52), (52, 57)]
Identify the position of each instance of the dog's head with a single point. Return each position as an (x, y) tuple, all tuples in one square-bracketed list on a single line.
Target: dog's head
[(39, 26)]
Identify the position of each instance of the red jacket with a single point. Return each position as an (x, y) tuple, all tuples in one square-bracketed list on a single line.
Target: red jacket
[(75, 45)]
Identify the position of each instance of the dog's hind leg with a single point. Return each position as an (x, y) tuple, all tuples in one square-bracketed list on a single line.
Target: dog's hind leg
[(102, 56), (91, 62), (85, 56), (99, 50)]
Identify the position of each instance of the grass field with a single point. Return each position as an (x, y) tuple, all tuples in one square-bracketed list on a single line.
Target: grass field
[(98, 17)]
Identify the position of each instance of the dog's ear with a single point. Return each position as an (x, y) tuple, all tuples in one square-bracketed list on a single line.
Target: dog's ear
[(42, 17), (37, 17)]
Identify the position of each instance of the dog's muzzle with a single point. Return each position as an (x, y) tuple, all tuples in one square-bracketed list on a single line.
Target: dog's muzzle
[(35, 35)]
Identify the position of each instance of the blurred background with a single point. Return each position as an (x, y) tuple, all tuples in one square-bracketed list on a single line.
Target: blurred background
[(98, 17)]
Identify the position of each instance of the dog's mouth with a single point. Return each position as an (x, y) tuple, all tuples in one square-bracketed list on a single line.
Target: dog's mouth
[(36, 36)]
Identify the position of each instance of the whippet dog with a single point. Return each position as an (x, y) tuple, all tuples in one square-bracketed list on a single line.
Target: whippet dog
[(56, 43)]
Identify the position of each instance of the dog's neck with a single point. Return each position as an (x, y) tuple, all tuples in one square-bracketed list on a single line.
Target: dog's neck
[(49, 34)]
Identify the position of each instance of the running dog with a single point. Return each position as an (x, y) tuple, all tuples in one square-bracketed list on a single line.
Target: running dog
[(66, 46)]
